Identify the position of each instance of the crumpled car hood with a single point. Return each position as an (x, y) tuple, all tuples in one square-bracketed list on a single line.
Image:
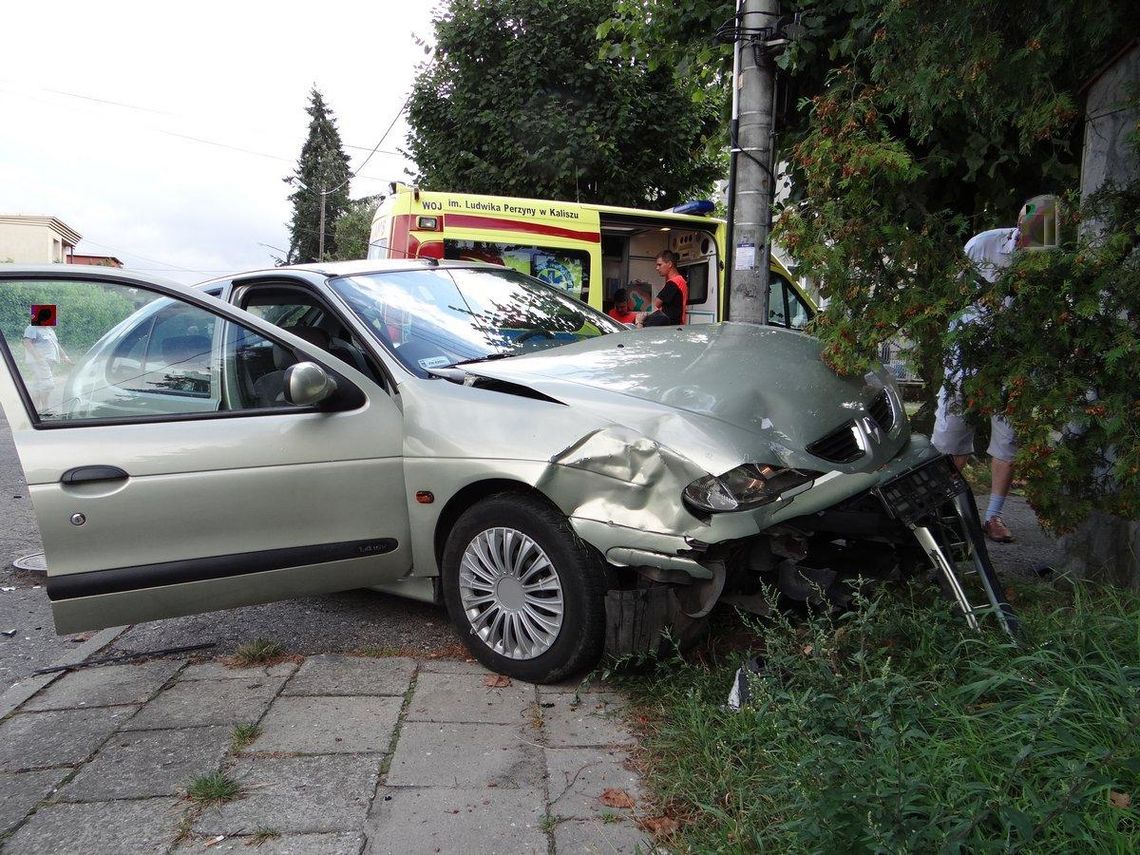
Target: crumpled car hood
[(750, 392)]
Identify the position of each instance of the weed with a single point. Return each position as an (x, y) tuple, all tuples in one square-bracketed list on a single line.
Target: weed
[(550, 822), (536, 720), (608, 817), (260, 651), (244, 734), (214, 788), (895, 727), (262, 834), (185, 826)]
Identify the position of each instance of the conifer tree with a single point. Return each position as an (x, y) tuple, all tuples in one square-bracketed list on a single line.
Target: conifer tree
[(322, 173)]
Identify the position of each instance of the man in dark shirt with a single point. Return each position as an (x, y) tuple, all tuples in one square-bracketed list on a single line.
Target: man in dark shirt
[(672, 300)]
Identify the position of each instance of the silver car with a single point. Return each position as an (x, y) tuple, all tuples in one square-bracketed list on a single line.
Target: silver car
[(451, 432)]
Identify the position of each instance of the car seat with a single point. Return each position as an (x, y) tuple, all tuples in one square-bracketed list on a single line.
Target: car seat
[(347, 352), (269, 389)]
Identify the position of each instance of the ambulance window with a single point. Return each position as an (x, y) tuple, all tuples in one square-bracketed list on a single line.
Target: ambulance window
[(380, 238), (568, 270), (697, 275)]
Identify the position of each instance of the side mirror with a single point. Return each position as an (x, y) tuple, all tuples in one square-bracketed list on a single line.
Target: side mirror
[(307, 384)]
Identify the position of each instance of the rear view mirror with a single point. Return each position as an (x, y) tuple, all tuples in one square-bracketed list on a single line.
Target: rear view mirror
[(307, 384)]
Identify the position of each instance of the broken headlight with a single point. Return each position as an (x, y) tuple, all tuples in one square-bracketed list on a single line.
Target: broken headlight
[(744, 487)]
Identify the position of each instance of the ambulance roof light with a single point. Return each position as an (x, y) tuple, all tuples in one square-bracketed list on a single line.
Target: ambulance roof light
[(697, 207)]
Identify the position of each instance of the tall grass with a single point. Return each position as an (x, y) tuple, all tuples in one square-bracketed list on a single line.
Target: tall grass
[(894, 728)]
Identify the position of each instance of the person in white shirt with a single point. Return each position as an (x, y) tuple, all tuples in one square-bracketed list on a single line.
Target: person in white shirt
[(989, 252), (44, 353)]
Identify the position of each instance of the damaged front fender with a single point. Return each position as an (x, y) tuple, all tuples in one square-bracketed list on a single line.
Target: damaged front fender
[(620, 477)]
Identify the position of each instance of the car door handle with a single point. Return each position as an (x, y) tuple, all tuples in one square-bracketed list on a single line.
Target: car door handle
[(89, 474)]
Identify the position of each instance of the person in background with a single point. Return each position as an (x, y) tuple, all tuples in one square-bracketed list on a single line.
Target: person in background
[(671, 302), (989, 252), (44, 353), (622, 310)]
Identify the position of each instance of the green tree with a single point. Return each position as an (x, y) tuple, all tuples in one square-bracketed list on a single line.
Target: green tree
[(916, 123), (517, 102), (322, 175), (353, 228)]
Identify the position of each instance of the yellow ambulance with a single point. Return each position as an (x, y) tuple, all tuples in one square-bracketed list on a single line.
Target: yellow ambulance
[(587, 250)]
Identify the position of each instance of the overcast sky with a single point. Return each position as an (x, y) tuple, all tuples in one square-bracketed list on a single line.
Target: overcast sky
[(161, 133)]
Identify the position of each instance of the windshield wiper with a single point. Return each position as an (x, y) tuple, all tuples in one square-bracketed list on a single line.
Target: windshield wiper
[(488, 358)]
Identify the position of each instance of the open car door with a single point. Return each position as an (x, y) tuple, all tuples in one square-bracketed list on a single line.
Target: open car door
[(170, 468)]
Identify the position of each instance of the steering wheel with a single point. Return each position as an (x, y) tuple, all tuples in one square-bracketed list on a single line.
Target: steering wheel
[(529, 334)]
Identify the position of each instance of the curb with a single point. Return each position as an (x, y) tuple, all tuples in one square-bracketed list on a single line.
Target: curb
[(23, 690)]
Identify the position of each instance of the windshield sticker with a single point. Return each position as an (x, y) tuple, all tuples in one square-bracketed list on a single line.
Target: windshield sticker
[(434, 362)]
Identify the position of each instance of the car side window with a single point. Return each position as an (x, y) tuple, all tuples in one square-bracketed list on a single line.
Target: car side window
[(799, 315), (179, 349), (86, 349), (305, 315), (785, 306), (777, 294), (282, 315)]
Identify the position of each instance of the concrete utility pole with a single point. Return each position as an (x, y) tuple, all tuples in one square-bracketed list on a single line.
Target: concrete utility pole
[(751, 191), (321, 230)]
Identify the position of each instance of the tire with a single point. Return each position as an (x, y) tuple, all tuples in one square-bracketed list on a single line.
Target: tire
[(545, 617)]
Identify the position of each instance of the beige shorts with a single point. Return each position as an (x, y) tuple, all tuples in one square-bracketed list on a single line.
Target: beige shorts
[(954, 435), (42, 379)]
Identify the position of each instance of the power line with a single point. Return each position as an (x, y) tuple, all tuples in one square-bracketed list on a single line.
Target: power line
[(374, 150), (108, 101), (225, 145), (139, 255)]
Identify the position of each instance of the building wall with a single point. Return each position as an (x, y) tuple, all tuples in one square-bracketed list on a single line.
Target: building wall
[(35, 240), (1106, 548), (1107, 156)]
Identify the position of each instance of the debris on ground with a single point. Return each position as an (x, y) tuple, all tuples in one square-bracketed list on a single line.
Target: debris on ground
[(616, 798), (741, 693)]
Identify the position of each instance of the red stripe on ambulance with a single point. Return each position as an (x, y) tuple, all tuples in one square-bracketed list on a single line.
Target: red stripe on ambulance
[(469, 221)]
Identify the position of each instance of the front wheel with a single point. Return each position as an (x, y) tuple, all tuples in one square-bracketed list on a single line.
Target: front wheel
[(526, 594)]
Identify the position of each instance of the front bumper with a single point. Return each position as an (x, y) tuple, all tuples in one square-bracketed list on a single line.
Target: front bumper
[(627, 545)]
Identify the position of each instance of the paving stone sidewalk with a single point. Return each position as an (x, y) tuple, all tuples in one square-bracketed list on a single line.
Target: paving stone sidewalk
[(352, 755)]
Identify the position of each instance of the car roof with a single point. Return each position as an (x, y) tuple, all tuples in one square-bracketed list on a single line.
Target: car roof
[(90, 271), (326, 268), (360, 267)]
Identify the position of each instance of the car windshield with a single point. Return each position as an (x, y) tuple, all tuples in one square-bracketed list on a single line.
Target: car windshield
[(450, 315)]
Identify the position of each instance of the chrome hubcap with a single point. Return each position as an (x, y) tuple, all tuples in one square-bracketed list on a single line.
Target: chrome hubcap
[(511, 593)]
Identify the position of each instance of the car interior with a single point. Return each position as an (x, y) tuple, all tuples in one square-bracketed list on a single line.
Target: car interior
[(262, 366)]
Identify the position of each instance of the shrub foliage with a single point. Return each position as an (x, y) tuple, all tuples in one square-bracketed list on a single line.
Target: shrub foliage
[(84, 312), (894, 728)]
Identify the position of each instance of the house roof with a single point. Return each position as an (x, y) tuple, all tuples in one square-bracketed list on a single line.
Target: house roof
[(57, 225)]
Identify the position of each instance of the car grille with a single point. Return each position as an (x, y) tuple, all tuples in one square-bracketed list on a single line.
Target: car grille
[(842, 444), (882, 411), (839, 446)]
